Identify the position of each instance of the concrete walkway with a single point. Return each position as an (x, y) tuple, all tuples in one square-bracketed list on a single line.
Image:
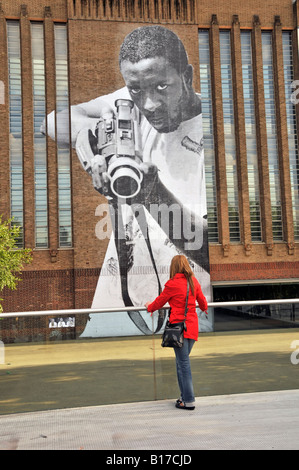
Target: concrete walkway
[(265, 420)]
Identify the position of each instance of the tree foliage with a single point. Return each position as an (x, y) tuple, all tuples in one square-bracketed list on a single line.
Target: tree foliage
[(12, 259)]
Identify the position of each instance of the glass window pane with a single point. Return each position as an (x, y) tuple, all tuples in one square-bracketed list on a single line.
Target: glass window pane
[(275, 195), (208, 134), (64, 171), (39, 143), (251, 143), (15, 125), (292, 127), (229, 136)]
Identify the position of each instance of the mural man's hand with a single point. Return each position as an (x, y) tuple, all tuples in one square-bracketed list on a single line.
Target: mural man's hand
[(87, 151)]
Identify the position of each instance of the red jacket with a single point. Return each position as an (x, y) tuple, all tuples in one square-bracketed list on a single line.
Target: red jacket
[(174, 293)]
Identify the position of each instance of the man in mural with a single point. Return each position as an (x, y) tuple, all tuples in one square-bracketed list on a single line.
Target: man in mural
[(169, 163)]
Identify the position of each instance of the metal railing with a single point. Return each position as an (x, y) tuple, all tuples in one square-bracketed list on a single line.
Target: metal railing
[(236, 303), (79, 311)]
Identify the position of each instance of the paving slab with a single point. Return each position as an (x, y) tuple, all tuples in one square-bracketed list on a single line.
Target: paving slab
[(249, 421)]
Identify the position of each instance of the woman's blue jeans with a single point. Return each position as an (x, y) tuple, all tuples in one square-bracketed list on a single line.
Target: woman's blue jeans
[(183, 368)]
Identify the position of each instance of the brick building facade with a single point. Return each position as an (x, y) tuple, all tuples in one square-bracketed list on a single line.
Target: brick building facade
[(252, 195)]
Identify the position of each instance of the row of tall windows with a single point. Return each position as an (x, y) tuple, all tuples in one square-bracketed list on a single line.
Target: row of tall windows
[(250, 132), (39, 140)]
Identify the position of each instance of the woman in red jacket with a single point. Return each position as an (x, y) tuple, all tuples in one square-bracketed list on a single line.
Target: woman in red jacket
[(174, 293)]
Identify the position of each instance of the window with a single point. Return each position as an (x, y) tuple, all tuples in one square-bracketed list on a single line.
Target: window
[(229, 136), (207, 119), (292, 127), (15, 126), (40, 151), (274, 173), (250, 131), (63, 154)]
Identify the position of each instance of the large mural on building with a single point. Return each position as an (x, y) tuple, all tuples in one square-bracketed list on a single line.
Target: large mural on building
[(142, 146)]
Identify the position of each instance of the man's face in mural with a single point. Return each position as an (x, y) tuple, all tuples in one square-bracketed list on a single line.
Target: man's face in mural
[(159, 91)]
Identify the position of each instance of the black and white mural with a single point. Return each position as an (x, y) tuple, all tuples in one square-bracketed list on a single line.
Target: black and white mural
[(142, 146)]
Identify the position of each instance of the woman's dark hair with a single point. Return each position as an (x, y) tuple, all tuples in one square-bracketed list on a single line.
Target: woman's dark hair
[(179, 264), (148, 42)]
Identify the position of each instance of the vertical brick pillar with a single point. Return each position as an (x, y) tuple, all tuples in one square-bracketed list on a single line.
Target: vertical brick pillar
[(282, 136), (220, 163), (261, 134), (27, 114), (4, 119), (51, 145), (240, 135)]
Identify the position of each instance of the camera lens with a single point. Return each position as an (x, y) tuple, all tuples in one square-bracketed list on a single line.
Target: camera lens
[(125, 186), (125, 177)]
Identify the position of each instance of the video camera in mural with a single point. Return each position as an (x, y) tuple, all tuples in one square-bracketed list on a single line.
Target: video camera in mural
[(117, 143)]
